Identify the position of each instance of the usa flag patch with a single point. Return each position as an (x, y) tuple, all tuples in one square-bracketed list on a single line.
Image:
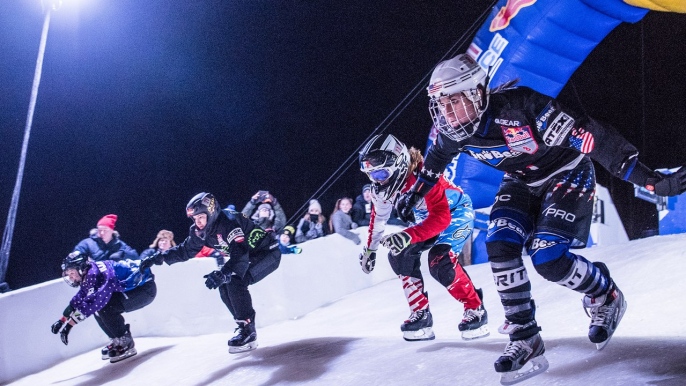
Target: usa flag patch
[(582, 140)]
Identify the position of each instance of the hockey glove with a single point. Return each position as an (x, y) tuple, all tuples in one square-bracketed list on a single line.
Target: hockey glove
[(156, 258), (215, 278), (405, 205), (57, 326), (396, 242), (368, 260), (65, 333), (669, 184)]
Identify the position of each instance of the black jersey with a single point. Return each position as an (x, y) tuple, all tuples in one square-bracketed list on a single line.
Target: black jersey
[(232, 234), (533, 137)]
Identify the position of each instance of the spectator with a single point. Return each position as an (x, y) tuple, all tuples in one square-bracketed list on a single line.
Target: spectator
[(265, 211), (362, 209), (164, 241), (104, 243), (107, 289), (341, 222), (285, 241), (311, 226)]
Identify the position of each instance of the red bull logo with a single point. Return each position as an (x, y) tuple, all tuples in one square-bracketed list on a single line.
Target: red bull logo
[(507, 13), (515, 134)]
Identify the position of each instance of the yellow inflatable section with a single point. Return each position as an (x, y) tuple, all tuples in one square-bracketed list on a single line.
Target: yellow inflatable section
[(660, 5)]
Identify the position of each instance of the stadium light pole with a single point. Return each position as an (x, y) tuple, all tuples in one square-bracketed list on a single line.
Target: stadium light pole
[(49, 6)]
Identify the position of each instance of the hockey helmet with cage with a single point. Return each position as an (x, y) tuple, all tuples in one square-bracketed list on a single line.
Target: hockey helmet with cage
[(77, 261), (204, 203), (458, 96), (385, 161)]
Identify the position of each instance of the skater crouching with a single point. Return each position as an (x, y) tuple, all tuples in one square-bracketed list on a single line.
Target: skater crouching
[(442, 224), (107, 289), (251, 254)]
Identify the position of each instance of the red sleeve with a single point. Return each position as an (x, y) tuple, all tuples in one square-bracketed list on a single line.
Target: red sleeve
[(205, 252), (439, 215)]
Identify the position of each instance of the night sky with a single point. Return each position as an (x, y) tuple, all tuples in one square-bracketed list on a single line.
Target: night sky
[(143, 104)]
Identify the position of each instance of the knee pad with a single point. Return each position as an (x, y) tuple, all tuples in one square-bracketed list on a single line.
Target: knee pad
[(508, 226), (550, 255), (441, 266), (404, 263)]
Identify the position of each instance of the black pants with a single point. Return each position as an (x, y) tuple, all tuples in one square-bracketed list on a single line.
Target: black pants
[(235, 293), (109, 317)]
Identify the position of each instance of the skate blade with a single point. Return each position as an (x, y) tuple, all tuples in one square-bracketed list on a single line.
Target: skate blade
[(601, 345), (480, 332), (532, 368), (426, 333), (244, 348), (127, 354)]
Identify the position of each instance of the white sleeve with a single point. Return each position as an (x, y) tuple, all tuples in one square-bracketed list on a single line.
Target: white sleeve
[(381, 212)]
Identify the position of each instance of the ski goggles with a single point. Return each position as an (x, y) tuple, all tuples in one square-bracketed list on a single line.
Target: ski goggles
[(379, 175)]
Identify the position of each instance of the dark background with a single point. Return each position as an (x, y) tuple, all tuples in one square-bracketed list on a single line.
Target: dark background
[(143, 104)]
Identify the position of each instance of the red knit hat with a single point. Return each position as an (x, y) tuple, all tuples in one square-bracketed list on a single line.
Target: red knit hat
[(108, 221)]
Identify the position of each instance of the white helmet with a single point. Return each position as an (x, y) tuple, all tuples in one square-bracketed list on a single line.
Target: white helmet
[(385, 161), (458, 97)]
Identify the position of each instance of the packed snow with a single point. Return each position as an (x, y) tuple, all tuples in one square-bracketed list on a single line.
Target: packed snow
[(356, 340)]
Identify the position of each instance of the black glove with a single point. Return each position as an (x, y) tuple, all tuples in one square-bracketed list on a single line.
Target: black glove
[(155, 258), (57, 326), (65, 333), (216, 278), (669, 184), (405, 204)]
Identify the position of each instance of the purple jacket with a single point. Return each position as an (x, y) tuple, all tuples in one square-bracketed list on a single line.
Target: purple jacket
[(97, 287)]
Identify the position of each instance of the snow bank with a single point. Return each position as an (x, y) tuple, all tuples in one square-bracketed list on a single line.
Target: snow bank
[(327, 270)]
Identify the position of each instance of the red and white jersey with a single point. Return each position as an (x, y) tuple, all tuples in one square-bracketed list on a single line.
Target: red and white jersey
[(432, 213)]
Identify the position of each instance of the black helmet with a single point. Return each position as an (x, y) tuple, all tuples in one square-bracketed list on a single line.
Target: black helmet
[(204, 203), (385, 161), (78, 261)]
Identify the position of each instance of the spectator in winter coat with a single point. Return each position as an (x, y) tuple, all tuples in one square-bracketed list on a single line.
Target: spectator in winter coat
[(107, 289), (285, 241), (312, 225), (104, 243), (362, 208), (164, 241), (265, 211), (341, 222)]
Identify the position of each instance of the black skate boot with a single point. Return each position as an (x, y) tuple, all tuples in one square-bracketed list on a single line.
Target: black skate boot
[(105, 352), (605, 311), (418, 326), (123, 347), (521, 360), (474, 322), (245, 338)]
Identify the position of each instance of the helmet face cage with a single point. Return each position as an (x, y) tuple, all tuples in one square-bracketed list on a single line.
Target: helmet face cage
[(457, 91), (385, 161), (77, 262)]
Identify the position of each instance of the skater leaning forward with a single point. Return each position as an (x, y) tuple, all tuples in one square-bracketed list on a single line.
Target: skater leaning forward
[(442, 224), (107, 289), (251, 254), (545, 201)]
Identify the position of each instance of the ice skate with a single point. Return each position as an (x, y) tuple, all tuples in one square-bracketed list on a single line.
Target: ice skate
[(521, 360), (245, 338), (605, 311), (123, 347), (105, 352), (474, 324), (418, 326)]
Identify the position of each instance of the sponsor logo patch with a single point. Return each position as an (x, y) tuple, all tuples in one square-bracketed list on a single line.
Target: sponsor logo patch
[(558, 129), (542, 118), (520, 139), (492, 155)]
